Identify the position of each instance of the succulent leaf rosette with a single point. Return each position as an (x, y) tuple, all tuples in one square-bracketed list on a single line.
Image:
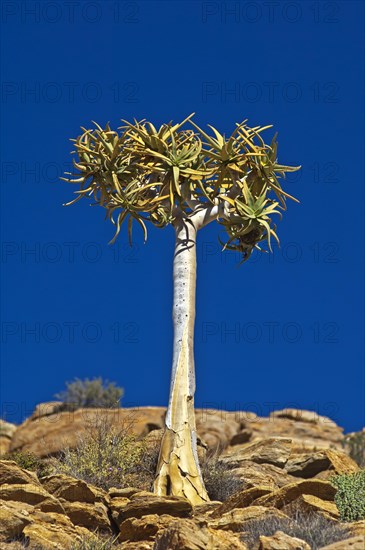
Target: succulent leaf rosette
[(142, 173)]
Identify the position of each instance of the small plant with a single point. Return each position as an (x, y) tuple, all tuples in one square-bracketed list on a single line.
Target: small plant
[(219, 480), (313, 528), (94, 393), (354, 443), (29, 461), (350, 496), (95, 541), (105, 456)]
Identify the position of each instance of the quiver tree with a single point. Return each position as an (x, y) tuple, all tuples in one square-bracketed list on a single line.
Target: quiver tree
[(187, 178)]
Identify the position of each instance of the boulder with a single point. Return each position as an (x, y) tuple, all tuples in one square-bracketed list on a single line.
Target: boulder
[(73, 490), (287, 494), (242, 499), (341, 463), (189, 535), (31, 493), (307, 465), (273, 450), (353, 543), (242, 437), (357, 527), (143, 504), (46, 409), (11, 473), (53, 532), (217, 428), (252, 474), (13, 519), (91, 516), (307, 430), (282, 541), (234, 519), (311, 503), (143, 528)]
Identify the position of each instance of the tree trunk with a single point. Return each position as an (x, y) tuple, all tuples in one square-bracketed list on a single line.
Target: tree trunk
[(178, 471)]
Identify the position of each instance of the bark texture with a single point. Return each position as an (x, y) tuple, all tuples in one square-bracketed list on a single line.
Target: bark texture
[(178, 470)]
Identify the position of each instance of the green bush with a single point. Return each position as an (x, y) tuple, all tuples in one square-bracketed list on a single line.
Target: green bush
[(29, 461), (350, 496), (105, 456), (86, 393), (313, 528)]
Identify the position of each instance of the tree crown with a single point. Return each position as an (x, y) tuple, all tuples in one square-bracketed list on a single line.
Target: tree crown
[(144, 174)]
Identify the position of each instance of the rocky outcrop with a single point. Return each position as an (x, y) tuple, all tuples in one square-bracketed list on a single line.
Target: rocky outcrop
[(49, 430), (284, 464), (48, 435)]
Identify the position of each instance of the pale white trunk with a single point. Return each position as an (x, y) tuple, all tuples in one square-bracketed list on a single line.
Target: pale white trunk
[(178, 471)]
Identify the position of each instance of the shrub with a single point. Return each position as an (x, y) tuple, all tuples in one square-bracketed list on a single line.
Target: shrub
[(355, 445), (95, 542), (350, 496), (313, 528), (105, 456), (94, 393), (29, 461), (219, 481)]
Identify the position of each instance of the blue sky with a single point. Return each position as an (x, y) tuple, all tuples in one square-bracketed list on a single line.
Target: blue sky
[(278, 331)]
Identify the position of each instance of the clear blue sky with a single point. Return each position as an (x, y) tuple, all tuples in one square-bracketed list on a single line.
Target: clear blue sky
[(278, 331)]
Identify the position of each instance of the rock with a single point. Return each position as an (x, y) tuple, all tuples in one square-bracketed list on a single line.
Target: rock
[(188, 535), (116, 504), (303, 416), (252, 474), (153, 504), (50, 434), (242, 499), (72, 490), (353, 543), (282, 541), (287, 494), (275, 451), (7, 429), (311, 503), (357, 527), (341, 462), (53, 531), (144, 528), (307, 430), (46, 409), (125, 492), (141, 545), (242, 437), (307, 465), (13, 519), (233, 520), (84, 514), (216, 428), (11, 473), (31, 493)]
